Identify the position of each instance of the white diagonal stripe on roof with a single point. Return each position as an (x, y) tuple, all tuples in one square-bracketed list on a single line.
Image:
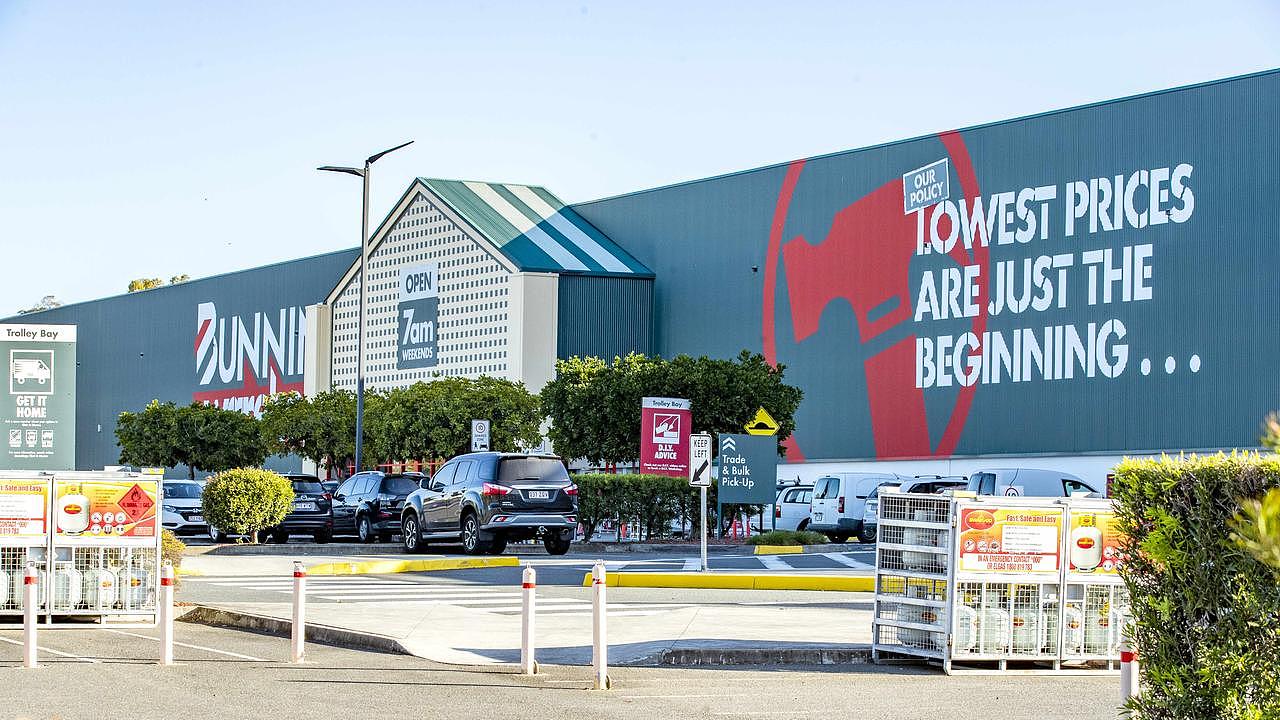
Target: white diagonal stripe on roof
[(526, 226), (575, 234)]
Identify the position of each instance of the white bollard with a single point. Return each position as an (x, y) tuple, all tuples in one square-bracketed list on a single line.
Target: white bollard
[(529, 587), (299, 635), (1130, 687), (30, 611), (166, 614), (599, 635)]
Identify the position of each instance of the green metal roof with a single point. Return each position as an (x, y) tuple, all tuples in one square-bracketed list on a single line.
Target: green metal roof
[(535, 229)]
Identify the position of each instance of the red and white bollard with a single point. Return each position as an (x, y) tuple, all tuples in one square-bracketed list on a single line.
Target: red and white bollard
[(166, 614), (299, 635), (599, 630), (529, 587), (30, 613), (1130, 687)]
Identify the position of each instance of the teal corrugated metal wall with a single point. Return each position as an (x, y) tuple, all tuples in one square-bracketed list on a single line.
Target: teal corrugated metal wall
[(605, 316)]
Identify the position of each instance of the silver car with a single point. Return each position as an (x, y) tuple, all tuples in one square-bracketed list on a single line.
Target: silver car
[(182, 512)]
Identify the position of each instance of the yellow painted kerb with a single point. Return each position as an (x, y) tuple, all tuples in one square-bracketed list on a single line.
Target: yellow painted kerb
[(779, 549), (739, 581), (385, 567)]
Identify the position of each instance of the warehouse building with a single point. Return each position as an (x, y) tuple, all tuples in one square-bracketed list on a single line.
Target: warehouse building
[(1052, 291)]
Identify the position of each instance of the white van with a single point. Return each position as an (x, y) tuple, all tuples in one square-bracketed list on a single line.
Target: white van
[(1030, 482), (839, 500)]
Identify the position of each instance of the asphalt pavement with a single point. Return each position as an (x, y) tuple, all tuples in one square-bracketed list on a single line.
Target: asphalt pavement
[(224, 673)]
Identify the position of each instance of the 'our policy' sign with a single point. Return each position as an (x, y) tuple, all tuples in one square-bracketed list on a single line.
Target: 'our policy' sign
[(664, 436), (419, 314), (748, 469), (38, 412)]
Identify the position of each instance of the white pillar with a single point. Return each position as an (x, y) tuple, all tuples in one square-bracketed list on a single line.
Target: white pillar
[(166, 614), (30, 614), (599, 635), (299, 635), (1129, 683), (529, 587)]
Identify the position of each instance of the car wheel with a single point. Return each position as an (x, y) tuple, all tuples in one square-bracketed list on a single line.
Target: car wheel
[(803, 524), (364, 530), (867, 534), (497, 546), (411, 534), (471, 543), (837, 537), (281, 536), (217, 535), (555, 544), (322, 536)]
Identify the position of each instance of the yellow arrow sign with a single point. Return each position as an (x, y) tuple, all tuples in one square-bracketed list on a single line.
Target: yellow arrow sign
[(762, 424)]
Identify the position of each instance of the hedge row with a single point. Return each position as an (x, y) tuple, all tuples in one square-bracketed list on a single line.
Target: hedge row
[(1207, 612)]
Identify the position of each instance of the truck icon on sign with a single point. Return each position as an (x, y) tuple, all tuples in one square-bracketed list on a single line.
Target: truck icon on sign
[(25, 369), (31, 372)]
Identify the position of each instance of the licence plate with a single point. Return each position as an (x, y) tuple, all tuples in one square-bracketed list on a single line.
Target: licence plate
[(539, 494), (304, 506), (817, 516), (196, 518)]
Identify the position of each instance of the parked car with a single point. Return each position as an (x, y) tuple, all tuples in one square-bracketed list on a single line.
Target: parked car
[(791, 509), (182, 513), (312, 512), (485, 500), (839, 502), (926, 484), (330, 486), (1031, 482), (369, 504)]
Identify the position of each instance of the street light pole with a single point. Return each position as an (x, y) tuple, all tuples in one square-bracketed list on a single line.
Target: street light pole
[(363, 174)]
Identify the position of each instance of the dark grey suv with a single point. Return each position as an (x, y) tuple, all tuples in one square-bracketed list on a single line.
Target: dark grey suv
[(484, 500)]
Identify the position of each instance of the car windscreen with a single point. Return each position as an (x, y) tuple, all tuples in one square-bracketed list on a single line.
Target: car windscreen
[(400, 485), (182, 491), (307, 487), (531, 469), (982, 483)]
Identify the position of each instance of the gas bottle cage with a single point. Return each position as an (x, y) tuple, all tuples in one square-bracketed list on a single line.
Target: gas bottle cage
[(101, 570), (977, 583)]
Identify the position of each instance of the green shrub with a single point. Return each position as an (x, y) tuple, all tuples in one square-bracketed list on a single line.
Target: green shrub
[(246, 500), (171, 549), (1207, 611), (788, 537), (653, 500)]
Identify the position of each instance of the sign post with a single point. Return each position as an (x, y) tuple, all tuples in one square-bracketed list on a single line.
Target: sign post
[(748, 470), (479, 435), (700, 477), (38, 411), (664, 436), (764, 424)]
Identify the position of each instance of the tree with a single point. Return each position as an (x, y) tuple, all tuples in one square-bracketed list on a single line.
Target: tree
[(321, 429), (594, 406), (179, 279), (200, 436), (48, 302), (145, 284), (147, 438), (433, 419)]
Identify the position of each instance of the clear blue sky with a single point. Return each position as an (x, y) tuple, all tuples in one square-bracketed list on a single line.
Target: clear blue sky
[(152, 139)]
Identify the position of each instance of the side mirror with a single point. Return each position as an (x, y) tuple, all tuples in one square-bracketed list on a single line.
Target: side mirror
[(339, 497), (424, 483)]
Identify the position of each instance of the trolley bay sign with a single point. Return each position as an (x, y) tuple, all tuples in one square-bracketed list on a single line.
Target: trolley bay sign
[(39, 407), (418, 315)]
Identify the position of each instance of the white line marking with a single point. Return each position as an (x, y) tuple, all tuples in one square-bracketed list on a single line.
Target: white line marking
[(773, 562), (193, 647), (693, 563), (392, 592), (764, 712), (55, 652), (846, 560)]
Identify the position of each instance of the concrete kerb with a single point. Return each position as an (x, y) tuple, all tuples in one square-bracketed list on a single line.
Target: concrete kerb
[(324, 634), (739, 581), (388, 567)]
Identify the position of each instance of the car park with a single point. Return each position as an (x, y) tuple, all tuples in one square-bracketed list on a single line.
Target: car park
[(839, 502), (369, 504), (311, 514), (182, 512), (1032, 482), (791, 509), (485, 500), (925, 484)]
